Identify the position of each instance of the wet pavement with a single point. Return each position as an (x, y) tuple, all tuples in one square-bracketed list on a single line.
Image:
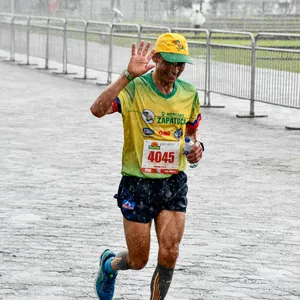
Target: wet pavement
[(60, 167)]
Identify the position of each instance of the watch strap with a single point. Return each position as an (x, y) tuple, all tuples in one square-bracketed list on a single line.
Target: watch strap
[(202, 145)]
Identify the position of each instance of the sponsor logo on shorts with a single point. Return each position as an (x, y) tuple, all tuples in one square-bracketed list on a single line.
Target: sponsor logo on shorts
[(128, 205)]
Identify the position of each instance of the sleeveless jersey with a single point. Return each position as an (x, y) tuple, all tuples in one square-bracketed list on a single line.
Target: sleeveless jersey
[(154, 126)]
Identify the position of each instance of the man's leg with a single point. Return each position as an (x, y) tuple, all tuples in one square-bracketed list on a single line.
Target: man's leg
[(136, 257), (135, 199), (137, 237), (169, 227)]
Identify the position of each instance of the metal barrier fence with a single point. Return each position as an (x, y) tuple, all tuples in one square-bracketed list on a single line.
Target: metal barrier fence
[(6, 33), (280, 83), (238, 15), (253, 71)]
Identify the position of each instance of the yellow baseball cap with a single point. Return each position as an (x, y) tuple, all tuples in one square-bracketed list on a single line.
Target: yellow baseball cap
[(173, 48)]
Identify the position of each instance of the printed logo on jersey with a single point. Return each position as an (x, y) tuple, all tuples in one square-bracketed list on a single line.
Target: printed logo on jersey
[(148, 131), (164, 133), (154, 145), (148, 116), (178, 134), (171, 118)]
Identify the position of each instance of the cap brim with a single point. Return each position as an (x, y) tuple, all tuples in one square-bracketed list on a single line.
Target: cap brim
[(176, 58)]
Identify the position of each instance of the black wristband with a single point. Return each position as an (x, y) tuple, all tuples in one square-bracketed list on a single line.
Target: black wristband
[(202, 145)]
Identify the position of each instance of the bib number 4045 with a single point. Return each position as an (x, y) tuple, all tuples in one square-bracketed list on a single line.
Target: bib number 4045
[(158, 156)]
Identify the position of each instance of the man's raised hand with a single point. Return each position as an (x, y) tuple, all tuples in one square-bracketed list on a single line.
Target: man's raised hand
[(139, 61)]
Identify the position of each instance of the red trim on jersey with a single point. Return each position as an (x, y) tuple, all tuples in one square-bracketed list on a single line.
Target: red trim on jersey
[(195, 124), (114, 106)]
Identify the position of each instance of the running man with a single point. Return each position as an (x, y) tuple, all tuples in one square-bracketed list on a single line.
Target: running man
[(158, 111)]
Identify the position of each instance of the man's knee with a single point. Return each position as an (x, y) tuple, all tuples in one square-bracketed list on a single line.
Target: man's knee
[(137, 263), (169, 254)]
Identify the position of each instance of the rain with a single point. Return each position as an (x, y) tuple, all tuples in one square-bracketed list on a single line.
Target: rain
[(60, 167)]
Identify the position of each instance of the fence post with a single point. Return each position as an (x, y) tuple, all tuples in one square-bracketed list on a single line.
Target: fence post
[(64, 58), (47, 48), (85, 34), (64, 51), (85, 50), (207, 72), (47, 45), (208, 62), (27, 63), (253, 69), (110, 54), (12, 40), (252, 87), (28, 40)]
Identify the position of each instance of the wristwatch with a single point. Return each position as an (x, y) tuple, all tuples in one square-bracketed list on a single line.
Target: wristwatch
[(202, 145)]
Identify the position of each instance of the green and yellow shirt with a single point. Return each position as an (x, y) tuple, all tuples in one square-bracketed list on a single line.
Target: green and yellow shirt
[(154, 126)]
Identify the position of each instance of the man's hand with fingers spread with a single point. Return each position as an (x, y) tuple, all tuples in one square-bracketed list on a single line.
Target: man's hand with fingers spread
[(139, 61)]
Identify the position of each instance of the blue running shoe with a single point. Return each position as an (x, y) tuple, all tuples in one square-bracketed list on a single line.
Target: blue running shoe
[(105, 282)]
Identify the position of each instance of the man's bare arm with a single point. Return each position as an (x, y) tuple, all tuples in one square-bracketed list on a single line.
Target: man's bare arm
[(103, 104), (192, 133), (138, 65)]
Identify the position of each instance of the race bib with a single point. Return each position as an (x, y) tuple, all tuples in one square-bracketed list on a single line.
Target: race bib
[(160, 157)]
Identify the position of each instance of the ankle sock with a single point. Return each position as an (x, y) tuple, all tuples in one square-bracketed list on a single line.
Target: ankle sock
[(108, 268)]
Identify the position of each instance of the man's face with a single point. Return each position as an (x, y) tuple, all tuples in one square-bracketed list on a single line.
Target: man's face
[(168, 72)]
